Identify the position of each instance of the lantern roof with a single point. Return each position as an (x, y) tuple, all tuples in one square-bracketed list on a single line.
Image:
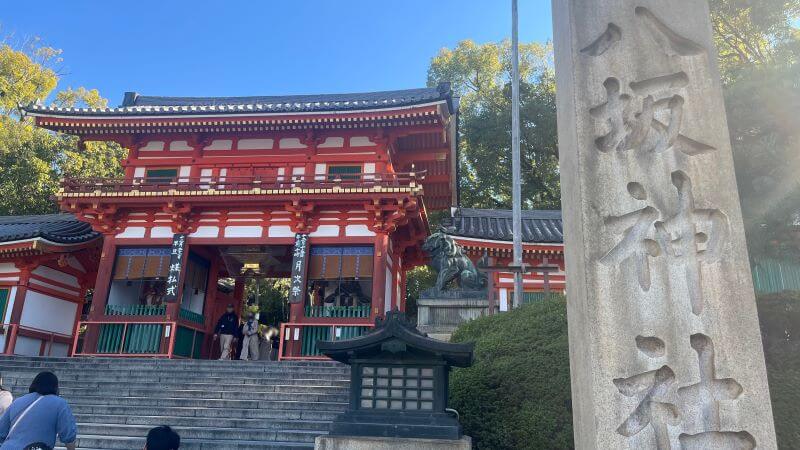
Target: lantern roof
[(390, 335)]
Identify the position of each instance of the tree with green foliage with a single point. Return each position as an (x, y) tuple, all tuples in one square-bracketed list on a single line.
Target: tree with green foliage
[(759, 48), (32, 160), (480, 74), (270, 295), (517, 393)]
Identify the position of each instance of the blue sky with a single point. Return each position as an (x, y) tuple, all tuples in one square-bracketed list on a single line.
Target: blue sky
[(253, 47)]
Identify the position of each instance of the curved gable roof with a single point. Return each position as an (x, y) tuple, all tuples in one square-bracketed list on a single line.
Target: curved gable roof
[(56, 228), (538, 226)]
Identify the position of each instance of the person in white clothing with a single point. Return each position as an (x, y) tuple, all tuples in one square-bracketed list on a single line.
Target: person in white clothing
[(250, 339), (5, 397)]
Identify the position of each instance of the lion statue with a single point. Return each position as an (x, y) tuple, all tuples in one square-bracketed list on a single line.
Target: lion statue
[(451, 264)]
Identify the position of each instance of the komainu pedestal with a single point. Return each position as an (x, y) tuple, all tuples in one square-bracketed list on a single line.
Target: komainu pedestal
[(664, 338)]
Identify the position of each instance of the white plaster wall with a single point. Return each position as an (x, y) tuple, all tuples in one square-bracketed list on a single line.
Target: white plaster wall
[(153, 146), (57, 349), (220, 144), (139, 172), (387, 302), (48, 313), (360, 141), (55, 275), (27, 346), (8, 267), (75, 264), (358, 230), (161, 232), (291, 143), (243, 231), (332, 142), (12, 294), (503, 299), (326, 231), (280, 231), (180, 146), (255, 144), (206, 232), (132, 232), (184, 173)]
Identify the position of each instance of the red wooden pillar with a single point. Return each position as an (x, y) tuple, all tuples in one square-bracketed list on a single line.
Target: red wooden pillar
[(379, 275), (25, 269), (403, 281), (238, 295), (102, 286), (208, 305), (104, 273)]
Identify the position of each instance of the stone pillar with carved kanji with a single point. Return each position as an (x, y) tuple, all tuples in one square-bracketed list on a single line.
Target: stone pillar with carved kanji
[(665, 346)]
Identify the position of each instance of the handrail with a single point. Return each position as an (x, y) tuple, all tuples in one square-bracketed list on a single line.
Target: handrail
[(237, 183), (126, 324), (299, 325)]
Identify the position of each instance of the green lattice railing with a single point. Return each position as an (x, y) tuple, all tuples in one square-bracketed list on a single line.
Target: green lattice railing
[(337, 311), (138, 338), (136, 310), (192, 316), (312, 334), (188, 343)]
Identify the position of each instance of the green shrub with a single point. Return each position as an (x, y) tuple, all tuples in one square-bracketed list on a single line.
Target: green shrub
[(517, 394), (779, 315)]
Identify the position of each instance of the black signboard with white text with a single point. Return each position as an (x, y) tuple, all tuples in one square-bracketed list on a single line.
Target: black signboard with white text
[(175, 268), (299, 263)]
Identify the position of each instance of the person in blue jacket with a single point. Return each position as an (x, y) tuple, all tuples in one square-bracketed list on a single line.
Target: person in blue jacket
[(38, 417)]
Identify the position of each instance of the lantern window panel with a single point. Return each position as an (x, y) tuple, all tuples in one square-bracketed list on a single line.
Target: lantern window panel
[(398, 388)]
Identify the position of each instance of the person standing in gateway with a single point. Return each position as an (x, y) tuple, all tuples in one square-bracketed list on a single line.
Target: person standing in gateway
[(226, 329), (250, 338)]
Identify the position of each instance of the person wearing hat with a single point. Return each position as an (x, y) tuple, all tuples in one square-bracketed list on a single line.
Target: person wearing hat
[(226, 329), (250, 335)]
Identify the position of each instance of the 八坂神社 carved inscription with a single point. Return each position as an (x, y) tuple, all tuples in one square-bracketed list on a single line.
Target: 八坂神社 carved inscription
[(657, 254)]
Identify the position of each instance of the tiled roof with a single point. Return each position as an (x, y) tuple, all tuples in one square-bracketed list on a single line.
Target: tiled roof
[(57, 228), (538, 226), (143, 105)]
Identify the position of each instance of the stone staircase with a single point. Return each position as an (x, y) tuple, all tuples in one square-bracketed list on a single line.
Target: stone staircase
[(212, 404)]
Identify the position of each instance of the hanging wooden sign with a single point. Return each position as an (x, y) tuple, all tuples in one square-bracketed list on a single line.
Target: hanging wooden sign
[(175, 268), (299, 265)]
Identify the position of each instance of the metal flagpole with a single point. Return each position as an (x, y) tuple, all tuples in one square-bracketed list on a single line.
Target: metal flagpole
[(515, 158)]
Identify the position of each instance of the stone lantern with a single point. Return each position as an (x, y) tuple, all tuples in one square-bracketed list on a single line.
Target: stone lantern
[(398, 389)]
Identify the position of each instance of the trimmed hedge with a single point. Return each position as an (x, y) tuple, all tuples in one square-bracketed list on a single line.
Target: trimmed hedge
[(517, 394), (779, 315)]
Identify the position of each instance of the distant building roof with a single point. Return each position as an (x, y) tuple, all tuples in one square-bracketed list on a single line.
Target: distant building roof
[(55, 228), (538, 226), (135, 104)]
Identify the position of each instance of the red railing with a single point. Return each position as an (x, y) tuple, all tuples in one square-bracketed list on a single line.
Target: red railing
[(240, 183), (11, 331), (299, 340), (138, 339)]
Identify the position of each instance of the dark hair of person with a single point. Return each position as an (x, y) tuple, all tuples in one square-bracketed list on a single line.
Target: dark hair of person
[(163, 438), (38, 446), (45, 383)]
